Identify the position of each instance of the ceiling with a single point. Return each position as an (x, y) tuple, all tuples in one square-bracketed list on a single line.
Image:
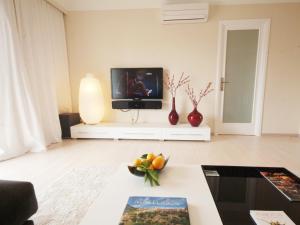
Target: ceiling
[(82, 5)]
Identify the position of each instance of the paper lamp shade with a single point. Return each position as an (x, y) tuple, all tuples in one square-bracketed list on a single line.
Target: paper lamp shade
[(91, 106)]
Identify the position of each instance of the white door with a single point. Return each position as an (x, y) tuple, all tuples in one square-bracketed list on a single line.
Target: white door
[(242, 61)]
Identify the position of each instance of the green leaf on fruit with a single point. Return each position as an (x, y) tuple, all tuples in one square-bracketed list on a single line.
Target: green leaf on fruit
[(152, 176)]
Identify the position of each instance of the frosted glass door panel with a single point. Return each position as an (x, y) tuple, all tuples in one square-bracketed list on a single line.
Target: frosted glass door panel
[(240, 70)]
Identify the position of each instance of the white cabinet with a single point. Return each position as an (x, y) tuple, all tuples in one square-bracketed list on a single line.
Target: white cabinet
[(193, 134), (137, 133), (141, 131)]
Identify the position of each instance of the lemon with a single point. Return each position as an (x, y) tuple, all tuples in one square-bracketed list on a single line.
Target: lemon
[(151, 157), (137, 162)]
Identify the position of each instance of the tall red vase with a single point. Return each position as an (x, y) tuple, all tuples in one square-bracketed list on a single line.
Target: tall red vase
[(195, 118), (173, 116)]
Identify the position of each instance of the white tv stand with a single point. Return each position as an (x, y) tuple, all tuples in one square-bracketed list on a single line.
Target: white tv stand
[(147, 131)]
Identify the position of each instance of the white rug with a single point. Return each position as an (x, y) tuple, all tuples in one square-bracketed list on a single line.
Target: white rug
[(68, 199)]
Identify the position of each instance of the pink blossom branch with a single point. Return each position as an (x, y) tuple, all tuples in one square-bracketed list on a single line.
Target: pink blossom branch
[(195, 101), (171, 83)]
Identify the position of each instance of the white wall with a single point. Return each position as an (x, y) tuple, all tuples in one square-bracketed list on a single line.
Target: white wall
[(99, 40), (62, 77)]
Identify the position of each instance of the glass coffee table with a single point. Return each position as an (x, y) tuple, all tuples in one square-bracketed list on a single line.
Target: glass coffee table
[(237, 190)]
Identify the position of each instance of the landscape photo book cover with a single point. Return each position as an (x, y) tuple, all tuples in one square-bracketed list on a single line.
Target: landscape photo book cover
[(141, 210)]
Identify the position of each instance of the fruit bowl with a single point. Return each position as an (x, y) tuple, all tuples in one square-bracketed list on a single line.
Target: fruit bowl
[(149, 166)]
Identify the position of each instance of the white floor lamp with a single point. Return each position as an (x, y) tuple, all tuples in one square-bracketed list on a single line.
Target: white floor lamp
[(91, 104)]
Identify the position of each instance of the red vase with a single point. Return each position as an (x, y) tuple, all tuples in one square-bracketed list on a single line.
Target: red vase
[(173, 116), (195, 118)]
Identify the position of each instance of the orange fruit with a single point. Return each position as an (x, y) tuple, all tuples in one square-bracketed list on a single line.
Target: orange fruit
[(137, 162), (151, 157), (151, 167), (159, 162)]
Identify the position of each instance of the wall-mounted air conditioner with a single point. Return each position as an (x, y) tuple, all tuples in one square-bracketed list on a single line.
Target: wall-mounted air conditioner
[(184, 12)]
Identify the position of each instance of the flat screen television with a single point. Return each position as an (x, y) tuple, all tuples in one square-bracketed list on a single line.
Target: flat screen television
[(137, 83)]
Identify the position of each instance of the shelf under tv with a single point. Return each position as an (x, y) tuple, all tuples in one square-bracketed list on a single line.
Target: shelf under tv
[(136, 104), (146, 131)]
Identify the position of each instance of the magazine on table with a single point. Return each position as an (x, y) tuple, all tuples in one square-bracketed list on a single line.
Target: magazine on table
[(211, 173), (155, 210), (285, 183)]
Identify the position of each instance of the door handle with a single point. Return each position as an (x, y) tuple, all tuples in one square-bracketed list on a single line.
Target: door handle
[(222, 83)]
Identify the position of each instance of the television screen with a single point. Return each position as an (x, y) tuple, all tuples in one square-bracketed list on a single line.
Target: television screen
[(137, 83)]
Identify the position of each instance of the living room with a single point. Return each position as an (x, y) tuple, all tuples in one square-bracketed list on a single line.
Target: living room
[(201, 98)]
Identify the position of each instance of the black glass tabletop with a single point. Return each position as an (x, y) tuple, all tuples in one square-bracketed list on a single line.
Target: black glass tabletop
[(237, 190)]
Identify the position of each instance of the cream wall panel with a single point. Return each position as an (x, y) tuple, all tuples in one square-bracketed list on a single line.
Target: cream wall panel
[(99, 40)]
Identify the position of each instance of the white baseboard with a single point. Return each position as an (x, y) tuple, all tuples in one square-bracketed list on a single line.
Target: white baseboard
[(283, 134)]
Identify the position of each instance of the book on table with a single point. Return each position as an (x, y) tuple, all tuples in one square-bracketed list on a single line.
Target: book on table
[(270, 218), (144, 210)]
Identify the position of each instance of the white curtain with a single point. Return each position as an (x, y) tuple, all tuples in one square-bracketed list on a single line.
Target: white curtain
[(29, 62), (42, 32), (15, 137)]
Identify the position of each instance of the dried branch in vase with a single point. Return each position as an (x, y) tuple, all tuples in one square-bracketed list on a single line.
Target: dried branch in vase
[(195, 100), (172, 87)]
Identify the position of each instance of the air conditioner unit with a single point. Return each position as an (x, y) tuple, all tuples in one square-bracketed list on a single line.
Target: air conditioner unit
[(184, 12)]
